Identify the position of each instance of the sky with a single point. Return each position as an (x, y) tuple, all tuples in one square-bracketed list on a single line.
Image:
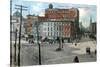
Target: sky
[(38, 8)]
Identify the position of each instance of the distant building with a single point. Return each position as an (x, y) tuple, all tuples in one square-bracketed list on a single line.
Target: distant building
[(93, 27), (15, 22), (31, 24)]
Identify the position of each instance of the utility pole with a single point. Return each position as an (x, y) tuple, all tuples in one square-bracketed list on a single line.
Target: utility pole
[(62, 35), (20, 8), (37, 30), (10, 33), (15, 44)]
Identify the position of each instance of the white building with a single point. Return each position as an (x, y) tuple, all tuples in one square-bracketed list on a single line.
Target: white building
[(16, 23)]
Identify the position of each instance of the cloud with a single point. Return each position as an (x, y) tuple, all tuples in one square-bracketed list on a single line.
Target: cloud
[(84, 16), (42, 13), (84, 12), (38, 9)]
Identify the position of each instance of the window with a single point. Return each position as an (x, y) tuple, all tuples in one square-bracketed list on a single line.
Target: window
[(51, 24), (51, 29), (48, 24), (51, 33), (48, 29), (48, 33)]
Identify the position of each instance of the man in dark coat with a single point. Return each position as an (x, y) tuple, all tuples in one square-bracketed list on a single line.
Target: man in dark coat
[(76, 60)]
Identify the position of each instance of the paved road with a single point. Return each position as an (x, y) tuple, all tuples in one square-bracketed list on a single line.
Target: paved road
[(49, 55)]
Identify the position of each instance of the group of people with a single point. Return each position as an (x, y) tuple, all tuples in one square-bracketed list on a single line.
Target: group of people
[(92, 36)]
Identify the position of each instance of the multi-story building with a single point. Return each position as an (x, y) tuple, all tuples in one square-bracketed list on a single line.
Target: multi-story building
[(93, 28), (60, 23), (31, 19), (63, 23), (31, 27), (29, 24), (16, 22)]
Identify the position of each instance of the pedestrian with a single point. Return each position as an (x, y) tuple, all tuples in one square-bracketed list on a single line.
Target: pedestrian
[(26, 38), (29, 41), (32, 41), (72, 42), (88, 50), (95, 51), (76, 59), (62, 40), (75, 44)]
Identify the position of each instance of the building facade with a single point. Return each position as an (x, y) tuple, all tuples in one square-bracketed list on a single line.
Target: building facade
[(29, 24), (93, 28), (62, 23)]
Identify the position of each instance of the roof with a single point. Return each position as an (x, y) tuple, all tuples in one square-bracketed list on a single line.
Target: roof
[(17, 14)]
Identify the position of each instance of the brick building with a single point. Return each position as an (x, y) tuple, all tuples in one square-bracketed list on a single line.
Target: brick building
[(31, 19), (62, 23)]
